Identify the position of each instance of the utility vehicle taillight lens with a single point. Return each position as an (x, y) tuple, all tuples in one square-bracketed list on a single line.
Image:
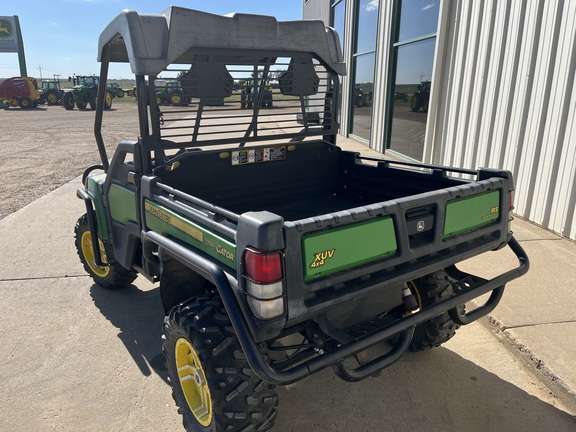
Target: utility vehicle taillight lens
[(264, 283), (263, 268)]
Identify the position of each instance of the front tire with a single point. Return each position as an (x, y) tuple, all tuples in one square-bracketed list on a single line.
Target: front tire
[(111, 276), (212, 383), (430, 290), (415, 103), (68, 101)]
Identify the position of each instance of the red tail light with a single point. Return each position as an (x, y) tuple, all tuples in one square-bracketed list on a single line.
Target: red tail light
[(264, 284), (263, 268)]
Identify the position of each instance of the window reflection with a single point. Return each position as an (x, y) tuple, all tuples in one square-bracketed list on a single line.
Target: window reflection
[(338, 20), (418, 18), (367, 27), (362, 95), (411, 96), (339, 24)]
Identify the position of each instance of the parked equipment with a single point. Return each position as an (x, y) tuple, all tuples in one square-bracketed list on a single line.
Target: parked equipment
[(421, 97), (115, 90), (171, 94), (51, 92), (20, 91), (84, 93)]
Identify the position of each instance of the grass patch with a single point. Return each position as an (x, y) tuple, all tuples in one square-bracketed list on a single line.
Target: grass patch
[(125, 99)]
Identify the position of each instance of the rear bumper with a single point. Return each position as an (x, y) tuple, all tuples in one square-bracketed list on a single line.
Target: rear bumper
[(472, 287)]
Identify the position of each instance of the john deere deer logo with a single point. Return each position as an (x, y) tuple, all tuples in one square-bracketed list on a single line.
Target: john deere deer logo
[(5, 28)]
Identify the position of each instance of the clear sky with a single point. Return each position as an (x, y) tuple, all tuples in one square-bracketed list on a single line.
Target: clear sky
[(61, 36)]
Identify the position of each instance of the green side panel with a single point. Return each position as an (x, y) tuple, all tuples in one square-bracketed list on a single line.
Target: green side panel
[(93, 189), (122, 203), (467, 214), (171, 224), (338, 249)]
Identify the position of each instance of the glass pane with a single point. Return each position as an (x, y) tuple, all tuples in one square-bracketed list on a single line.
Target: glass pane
[(418, 18), (339, 20), (362, 95), (411, 94), (367, 28)]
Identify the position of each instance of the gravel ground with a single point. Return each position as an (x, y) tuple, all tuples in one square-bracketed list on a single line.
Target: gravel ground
[(43, 148)]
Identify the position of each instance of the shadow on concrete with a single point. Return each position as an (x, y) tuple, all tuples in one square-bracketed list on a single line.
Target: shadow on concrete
[(437, 391), (139, 316)]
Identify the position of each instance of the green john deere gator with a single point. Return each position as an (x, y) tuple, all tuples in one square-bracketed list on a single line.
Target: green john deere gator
[(278, 254)]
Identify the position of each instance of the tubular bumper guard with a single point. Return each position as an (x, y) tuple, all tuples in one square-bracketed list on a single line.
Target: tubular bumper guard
[(471, 287)]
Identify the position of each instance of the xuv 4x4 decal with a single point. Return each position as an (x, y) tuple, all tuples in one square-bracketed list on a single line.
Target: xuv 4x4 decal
[(321, 257), (338, 249)]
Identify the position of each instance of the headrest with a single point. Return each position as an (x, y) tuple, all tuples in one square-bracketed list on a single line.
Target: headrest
[(300, 79), (207, 79)]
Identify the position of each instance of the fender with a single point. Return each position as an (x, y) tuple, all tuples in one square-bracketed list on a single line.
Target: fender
[(92, 224), (94, 208), (93, 192)]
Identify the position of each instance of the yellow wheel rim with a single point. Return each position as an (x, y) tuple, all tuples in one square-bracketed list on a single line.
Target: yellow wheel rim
[(52, 98), (176, 100), (88, 252), (108, 99), (193, 382)]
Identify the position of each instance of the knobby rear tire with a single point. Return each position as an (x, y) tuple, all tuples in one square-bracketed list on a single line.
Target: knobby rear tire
[(432, 289), (239, 399)]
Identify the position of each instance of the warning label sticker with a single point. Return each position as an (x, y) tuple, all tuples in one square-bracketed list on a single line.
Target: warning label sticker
[(257, 155)]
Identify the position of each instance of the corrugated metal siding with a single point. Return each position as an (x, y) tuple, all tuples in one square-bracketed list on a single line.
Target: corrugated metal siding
[(317, 9), (505, 98)]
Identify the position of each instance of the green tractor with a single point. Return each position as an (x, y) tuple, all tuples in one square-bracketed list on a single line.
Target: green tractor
[(171, 94), (421, 97), (84, 93), (115, 90), (52, 92)]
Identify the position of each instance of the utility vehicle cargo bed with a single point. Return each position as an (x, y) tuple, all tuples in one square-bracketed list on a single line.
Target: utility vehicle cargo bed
[(303, 180)]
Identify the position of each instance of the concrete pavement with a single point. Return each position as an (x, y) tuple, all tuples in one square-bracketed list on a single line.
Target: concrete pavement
[(44, 336), (537, 315)]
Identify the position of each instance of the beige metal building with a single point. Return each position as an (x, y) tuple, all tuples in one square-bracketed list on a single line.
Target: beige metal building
[(467, 83)]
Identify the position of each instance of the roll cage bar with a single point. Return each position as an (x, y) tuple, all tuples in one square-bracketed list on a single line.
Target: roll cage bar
[(201, 41)]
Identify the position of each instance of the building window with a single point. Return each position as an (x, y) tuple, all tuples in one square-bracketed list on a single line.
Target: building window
[(364, 56), (413, 58), (338, 21)]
